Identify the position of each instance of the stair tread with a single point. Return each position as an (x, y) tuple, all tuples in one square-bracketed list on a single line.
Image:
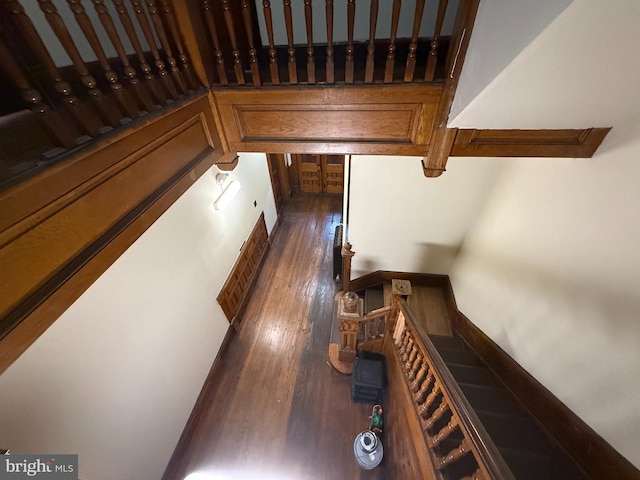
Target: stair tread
[(447, 342), (473, 374), (491, 399), (460, 357)]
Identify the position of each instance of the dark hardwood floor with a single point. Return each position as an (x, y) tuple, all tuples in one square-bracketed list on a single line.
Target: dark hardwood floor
[(278, 410)]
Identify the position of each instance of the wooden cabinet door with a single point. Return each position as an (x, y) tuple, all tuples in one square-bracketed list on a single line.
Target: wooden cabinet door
[(320, 173), (333, 173), (309, 170)]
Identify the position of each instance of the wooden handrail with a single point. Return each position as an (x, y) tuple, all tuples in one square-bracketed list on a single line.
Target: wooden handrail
[(476, 440)]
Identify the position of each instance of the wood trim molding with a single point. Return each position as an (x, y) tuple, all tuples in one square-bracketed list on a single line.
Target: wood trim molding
[(178, 461), (594, 454), (381, 276), (528, 143), (59, 236)]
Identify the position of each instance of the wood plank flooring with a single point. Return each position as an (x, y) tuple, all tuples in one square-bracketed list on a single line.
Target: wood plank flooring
[(279, 411)]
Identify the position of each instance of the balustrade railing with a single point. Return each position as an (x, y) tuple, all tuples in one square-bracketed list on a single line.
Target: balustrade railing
[(458, 445), (322, 41)]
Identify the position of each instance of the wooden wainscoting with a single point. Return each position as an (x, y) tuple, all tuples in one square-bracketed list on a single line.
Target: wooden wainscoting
[(62, 228), (236, 291), (394, 120)]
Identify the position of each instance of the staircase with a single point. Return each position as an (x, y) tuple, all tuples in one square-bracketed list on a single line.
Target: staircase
[(528, 450)]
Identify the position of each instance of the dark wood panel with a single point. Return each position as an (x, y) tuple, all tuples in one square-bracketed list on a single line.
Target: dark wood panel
[(353, 120), (594, 454), (236, 291), (528, 143)]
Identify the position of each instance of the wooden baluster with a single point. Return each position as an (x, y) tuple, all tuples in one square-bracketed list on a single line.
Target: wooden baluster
[(331, 76), (141, 95), (407, 352), (391, 50), (293, 69), (311, 63), (454, 454), (253, 55), (433, 53), (405, 341), (164, 41), (400, 332), (413, 46), (351, 17), (58, 131), (127, 106), (105, 109), (438, 413), (444, 433), (412, 356), (85, 119), (371, 46), (170, 19), (414, 367), (208, 15), (273, 59), (228, 20), (477, 475), (148, 35), (150, 81), (424, 388), (415, 385), (423, 410)]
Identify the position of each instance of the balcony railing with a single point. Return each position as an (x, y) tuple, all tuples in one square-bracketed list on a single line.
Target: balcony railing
[(74, 70)]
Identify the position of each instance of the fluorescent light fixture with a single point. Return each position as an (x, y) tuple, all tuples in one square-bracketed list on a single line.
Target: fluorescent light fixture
[(227, 196)]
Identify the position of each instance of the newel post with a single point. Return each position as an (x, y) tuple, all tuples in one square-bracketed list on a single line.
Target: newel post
[(395, 326), (350, 311), (347, 254)]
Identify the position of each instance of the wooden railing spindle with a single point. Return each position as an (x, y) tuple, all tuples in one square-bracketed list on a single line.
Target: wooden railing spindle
[(127, 107), (433, 53), (293, 69), (311, 64), (154, 12), (160, 66), (104, 108), (141, 95), (351, 18), (253, 55), (273, 59), (412, 356), (237, 63), (84, 118), (444, 433), (170, 19), (213, 33), (371, 46), (391, 50), (58, 131), (414, 368), (151, 82), (438, 413), (330, 73), (417, 381), (454, 454), (413, 46)]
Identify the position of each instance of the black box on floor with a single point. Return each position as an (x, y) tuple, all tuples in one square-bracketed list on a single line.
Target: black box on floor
[(369, 378)]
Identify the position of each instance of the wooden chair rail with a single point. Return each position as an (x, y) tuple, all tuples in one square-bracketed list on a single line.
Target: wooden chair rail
[(435, 394)]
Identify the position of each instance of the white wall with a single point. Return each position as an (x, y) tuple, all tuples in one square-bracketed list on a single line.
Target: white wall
[(115, 378), (400, 220), (551, 270), (501, 30)]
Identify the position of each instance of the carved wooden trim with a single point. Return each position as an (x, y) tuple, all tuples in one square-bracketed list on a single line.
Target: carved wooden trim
[(236, 291), (594, 454), (528, 143), (381, 276)]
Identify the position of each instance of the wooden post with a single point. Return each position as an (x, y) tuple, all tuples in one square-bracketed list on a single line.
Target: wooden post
[(350, 312), (347, 253)]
